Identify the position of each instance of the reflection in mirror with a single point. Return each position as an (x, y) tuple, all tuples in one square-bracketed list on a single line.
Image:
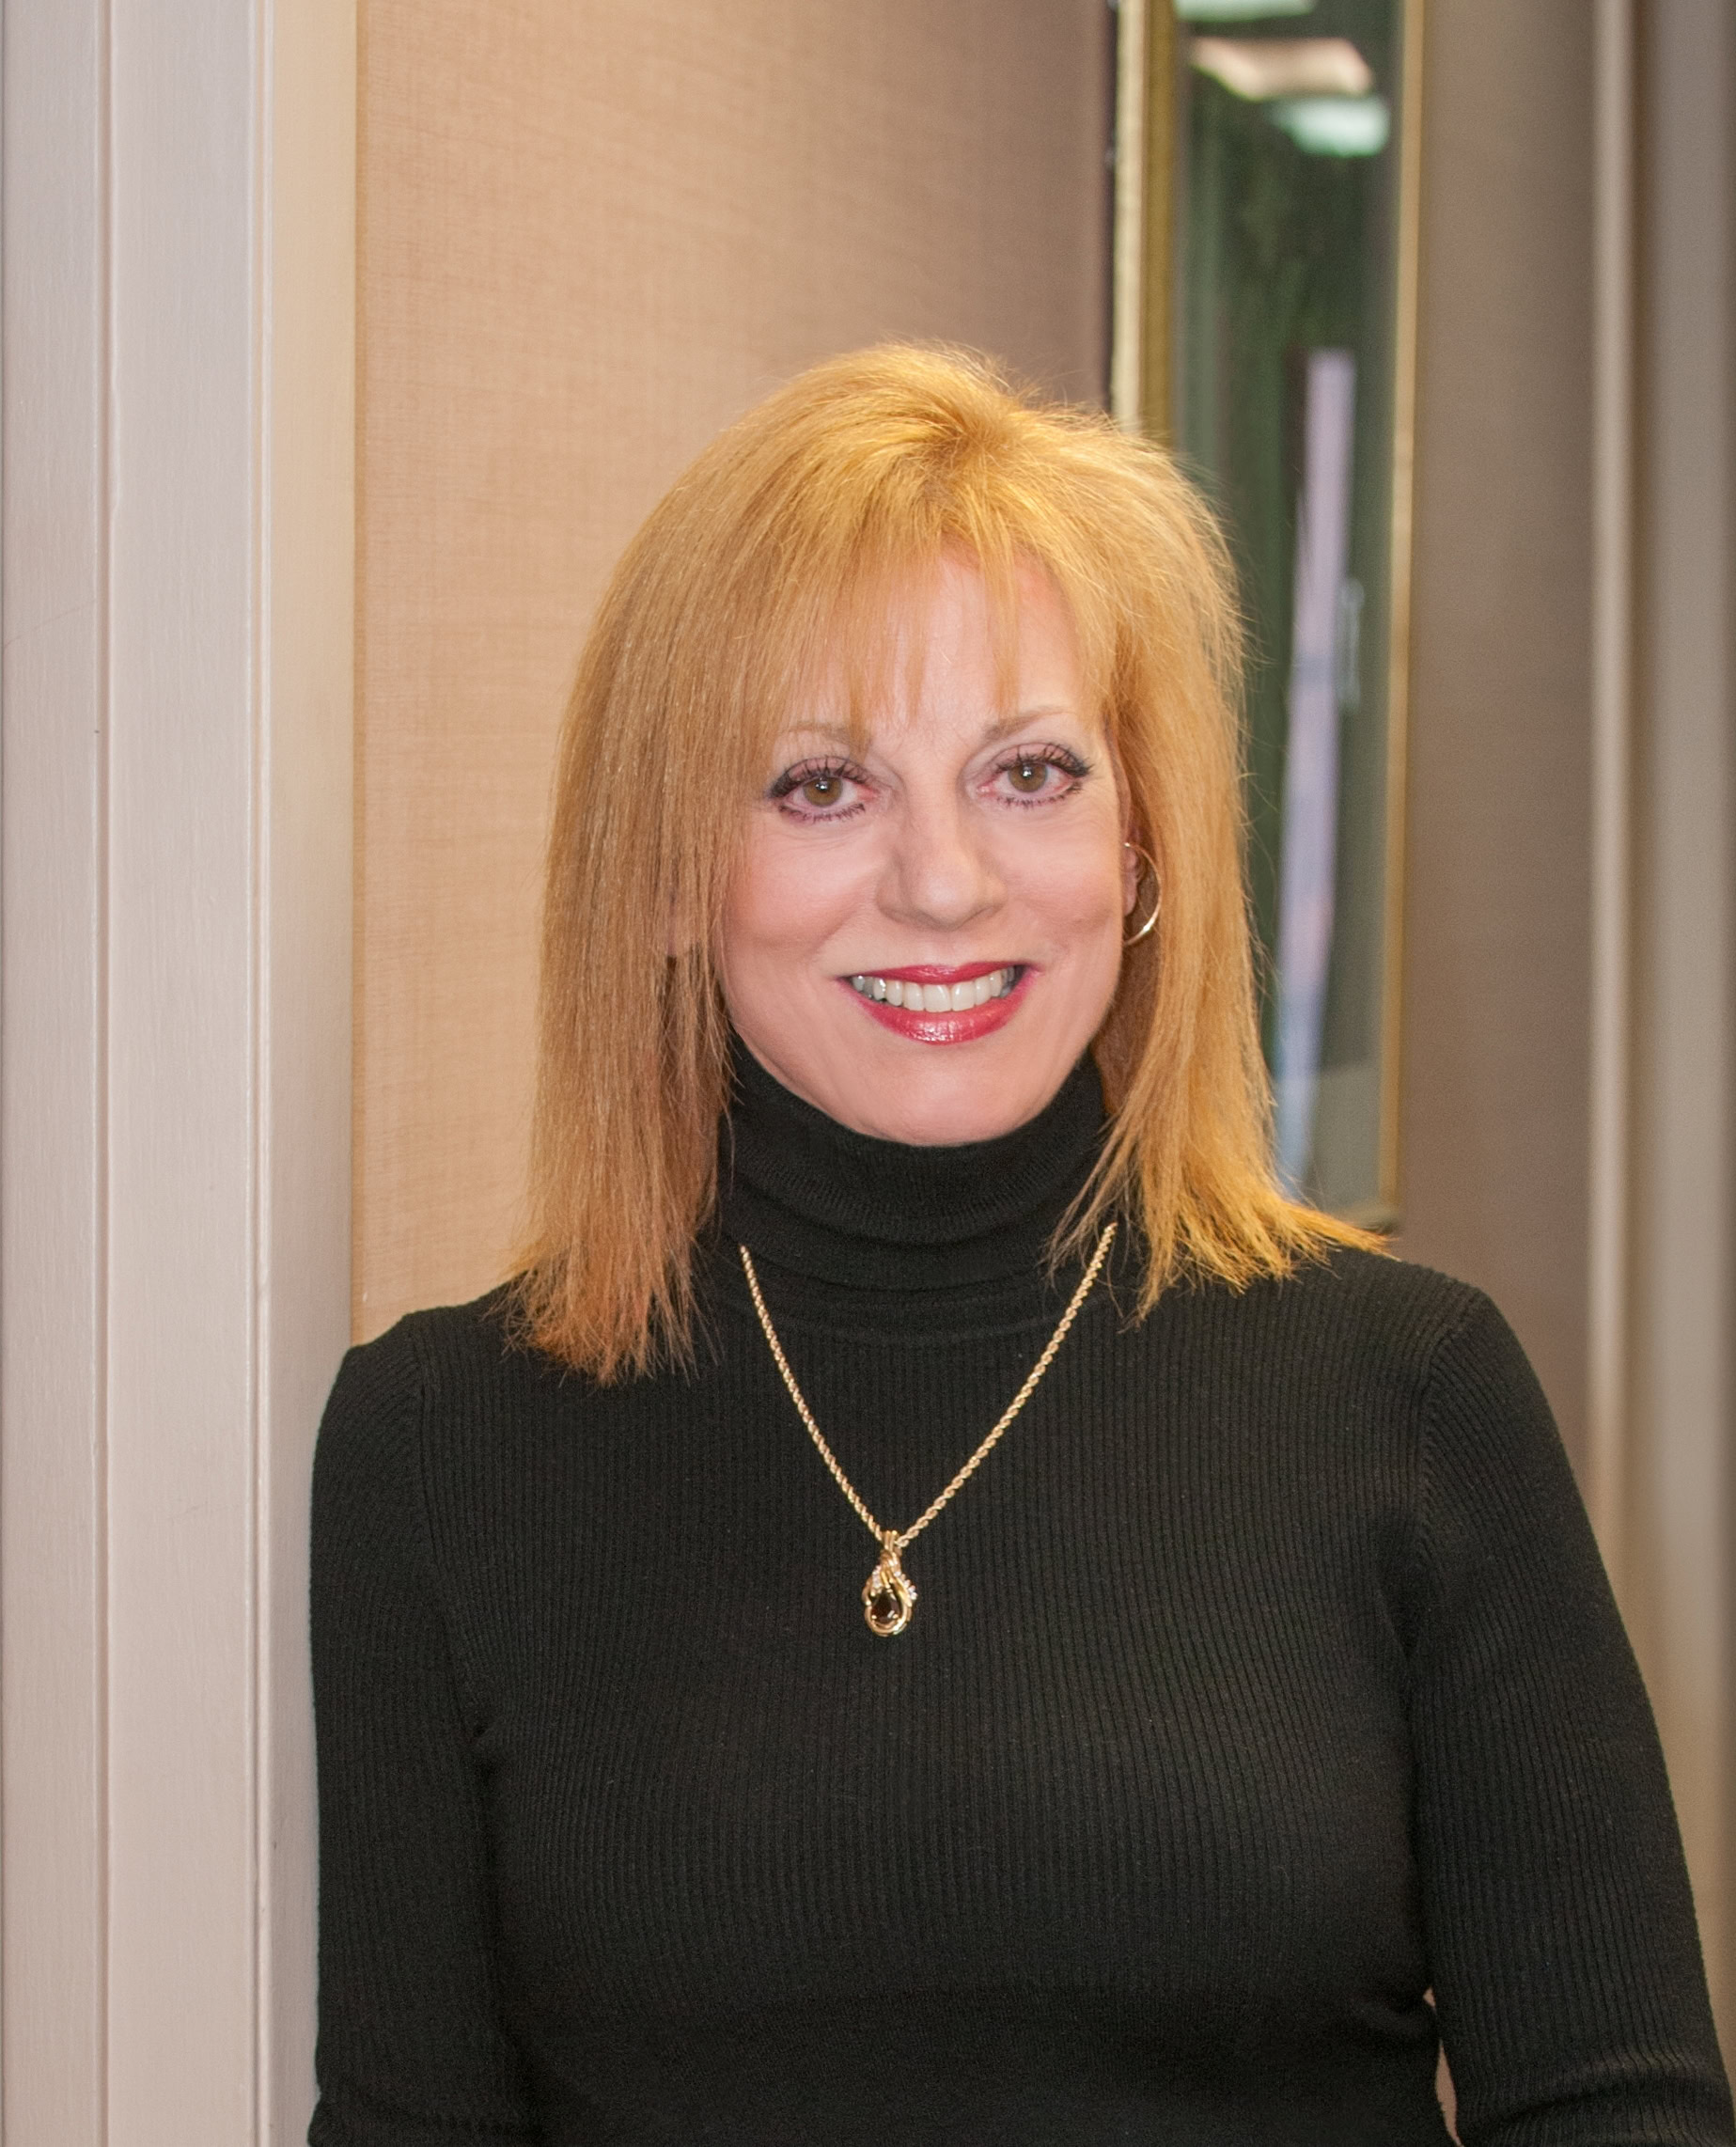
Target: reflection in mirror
[(1274, 322)]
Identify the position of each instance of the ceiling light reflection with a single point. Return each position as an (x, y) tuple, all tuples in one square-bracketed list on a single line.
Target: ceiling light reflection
[(1335, 126), (1239, 11), (1262, 67)]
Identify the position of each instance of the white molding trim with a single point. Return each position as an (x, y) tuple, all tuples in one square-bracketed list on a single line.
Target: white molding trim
[(54, 687), (176, 589)]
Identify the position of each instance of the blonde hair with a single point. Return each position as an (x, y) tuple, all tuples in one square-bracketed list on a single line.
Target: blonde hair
[(770, 562)]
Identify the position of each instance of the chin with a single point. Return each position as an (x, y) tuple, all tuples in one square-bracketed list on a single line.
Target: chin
[(922, 1094), (944, 1105)]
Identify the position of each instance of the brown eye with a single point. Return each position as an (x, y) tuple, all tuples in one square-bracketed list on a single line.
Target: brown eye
[(822, 790), (1028, 775)]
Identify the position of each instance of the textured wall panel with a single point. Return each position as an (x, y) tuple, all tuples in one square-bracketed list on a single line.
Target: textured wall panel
[(1497, 956), (591, 234)]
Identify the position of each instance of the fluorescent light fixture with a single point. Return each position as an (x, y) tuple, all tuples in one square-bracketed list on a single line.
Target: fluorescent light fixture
[(1240, 10), (1335, 126), (1262, 67)]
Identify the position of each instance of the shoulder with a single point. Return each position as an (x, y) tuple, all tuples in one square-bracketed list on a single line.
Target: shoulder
[(1360, 1355), (1488, 1456), (1444, 1338), (1452, 1338), (1347, 1310), (1381, 1290), (433, 1383), (446, 1355), (428, 1343)]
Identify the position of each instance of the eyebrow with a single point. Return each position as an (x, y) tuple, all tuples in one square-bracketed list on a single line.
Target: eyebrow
[(1002, 727)]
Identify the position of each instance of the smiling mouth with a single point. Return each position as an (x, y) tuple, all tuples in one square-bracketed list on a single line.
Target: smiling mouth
[(939, 998)]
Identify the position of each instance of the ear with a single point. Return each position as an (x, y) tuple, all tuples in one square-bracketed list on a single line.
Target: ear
[(1131, 867)]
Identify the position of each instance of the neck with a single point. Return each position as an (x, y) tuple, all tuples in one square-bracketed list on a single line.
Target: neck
[(814, 1197)]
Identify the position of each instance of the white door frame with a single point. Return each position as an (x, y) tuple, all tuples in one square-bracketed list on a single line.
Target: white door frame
[(176, 331)]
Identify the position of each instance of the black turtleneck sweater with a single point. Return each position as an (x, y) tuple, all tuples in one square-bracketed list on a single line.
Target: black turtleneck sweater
[(1264, 1680)]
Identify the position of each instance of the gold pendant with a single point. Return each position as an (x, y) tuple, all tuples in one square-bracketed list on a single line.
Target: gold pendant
[(888, 1599)]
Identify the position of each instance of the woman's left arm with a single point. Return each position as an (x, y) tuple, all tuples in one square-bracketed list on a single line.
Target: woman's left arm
[(1561, 1933)]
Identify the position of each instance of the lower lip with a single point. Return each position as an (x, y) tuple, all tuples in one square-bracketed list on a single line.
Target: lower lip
[(963, 1027)]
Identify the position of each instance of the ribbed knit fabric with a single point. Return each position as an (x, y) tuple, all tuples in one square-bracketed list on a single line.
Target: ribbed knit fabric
[(1264, 1679)]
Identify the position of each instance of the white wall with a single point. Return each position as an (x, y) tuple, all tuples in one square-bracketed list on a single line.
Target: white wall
[(176, 583)]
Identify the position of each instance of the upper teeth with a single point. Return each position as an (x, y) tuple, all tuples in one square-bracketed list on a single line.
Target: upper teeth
[(937, 998)]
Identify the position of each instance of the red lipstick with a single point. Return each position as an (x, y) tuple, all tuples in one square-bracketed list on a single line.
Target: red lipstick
[(962, 1025)]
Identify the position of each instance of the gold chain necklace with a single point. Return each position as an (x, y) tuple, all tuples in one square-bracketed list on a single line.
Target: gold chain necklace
[(889, 1597)]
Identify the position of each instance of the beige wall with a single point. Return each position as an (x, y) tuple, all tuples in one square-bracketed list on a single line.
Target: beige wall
[(591, 234), (1678, 1575), (1494, 1126)]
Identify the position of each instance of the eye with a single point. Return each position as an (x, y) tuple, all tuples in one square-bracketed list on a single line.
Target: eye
[(820, 789), (1039, 774)]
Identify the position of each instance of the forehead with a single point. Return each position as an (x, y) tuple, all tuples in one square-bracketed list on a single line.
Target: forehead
[(949, 647)]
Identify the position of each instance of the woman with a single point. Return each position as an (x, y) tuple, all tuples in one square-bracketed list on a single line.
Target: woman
[(1177, 1729)]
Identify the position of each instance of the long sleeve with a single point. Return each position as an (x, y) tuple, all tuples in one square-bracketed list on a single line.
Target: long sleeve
[(410, 2048), (1560, 1925)]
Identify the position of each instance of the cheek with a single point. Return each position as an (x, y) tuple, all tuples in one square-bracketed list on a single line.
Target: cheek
[(1082, 882), (1079, 904), (754, 934), (785, 899)]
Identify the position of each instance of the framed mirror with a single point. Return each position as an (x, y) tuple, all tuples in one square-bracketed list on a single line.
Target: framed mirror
[(1266, 182)]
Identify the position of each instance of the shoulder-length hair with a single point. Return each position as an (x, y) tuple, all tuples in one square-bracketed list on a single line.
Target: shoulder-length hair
[(771, 563)]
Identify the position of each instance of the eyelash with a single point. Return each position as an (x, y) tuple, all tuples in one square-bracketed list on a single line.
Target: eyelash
[(792, 779), (1059, 757)]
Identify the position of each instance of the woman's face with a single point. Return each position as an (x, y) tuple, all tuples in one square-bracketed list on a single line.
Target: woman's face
[(922, 938)]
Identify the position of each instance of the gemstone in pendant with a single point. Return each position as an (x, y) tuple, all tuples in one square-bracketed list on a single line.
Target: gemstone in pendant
[(888, 1599)]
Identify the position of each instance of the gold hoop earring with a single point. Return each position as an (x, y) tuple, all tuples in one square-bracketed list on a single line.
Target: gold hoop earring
[(1132, 938)]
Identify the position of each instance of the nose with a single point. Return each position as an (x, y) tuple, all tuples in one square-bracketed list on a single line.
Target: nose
[(940, 873)]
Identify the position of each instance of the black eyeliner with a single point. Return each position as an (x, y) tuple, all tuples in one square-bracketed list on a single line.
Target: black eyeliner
[(805, 771)]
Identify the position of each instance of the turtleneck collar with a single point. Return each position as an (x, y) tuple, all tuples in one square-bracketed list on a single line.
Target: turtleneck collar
[(812, 1196)]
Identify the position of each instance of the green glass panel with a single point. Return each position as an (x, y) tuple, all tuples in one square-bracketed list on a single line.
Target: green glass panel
[(1286, 225)]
